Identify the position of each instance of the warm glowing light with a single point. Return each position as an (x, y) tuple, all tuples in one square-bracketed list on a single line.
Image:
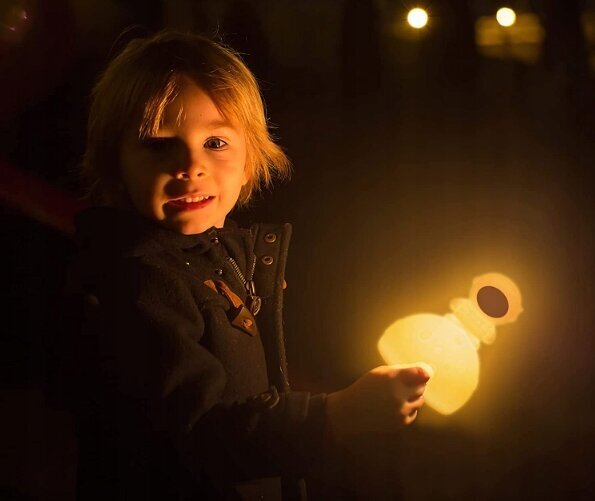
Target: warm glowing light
[(449, 343), (506, 17), (417, 18), (522, 42)]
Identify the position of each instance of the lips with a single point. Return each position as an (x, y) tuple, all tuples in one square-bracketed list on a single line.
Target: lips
[(190, 203)]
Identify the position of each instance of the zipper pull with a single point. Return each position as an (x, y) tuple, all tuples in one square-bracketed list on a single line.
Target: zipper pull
[(253, 302)]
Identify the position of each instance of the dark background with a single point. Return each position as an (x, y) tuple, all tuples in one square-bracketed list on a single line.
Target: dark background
[(421, 160)]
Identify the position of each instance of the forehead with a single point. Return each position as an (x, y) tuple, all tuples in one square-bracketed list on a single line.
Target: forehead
[(193, 106)]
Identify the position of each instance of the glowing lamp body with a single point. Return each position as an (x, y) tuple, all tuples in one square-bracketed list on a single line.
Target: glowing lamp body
[(449, 343)]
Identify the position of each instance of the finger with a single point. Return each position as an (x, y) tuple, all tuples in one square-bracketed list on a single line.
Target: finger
[(416, 391), (413, 376), (408, 408), (411, 417), (407, 393), (416, 397)]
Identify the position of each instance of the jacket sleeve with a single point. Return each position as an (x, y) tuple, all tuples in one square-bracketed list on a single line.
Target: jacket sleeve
[(150, 355)]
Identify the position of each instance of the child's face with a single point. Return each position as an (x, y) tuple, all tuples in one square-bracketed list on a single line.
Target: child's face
[(188, 177)]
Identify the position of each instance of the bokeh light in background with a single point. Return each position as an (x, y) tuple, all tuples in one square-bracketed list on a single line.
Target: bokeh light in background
[(417, 18), (521, 40), (506, 17)]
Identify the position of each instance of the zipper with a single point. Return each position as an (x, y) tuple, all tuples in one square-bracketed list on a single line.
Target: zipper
[(253, 300)]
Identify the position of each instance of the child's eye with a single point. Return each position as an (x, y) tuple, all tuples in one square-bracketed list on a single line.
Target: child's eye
[(215, 143)]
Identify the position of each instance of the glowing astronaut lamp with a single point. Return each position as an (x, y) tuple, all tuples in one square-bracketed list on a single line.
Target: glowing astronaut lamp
[(447, 345)]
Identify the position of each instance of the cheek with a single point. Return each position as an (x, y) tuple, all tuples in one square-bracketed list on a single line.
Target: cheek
[(232, 185), (143, 188), (130, 173), (154, 189)]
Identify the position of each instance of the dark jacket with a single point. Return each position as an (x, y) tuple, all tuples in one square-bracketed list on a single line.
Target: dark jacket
[(173, 400)]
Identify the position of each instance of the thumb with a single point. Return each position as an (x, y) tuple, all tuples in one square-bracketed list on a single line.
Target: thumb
[(417, 373)]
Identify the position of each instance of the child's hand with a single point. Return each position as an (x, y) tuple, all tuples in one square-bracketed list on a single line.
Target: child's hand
[(383, 400)]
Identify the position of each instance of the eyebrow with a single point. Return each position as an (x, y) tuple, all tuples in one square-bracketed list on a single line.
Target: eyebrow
[(218, 124)]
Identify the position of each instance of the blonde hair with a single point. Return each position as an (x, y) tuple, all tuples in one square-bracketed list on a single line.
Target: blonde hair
[(146, 77)]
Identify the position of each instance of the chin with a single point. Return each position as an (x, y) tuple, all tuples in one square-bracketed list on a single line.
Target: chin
[(185, 227), (192, 228)]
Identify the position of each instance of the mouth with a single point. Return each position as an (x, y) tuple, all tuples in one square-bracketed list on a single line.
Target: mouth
[(190, 203)]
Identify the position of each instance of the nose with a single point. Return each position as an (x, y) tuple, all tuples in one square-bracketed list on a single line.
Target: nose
[(194, 169)]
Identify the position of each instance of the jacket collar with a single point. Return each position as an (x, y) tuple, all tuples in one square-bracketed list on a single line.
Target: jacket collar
[(109, 229)]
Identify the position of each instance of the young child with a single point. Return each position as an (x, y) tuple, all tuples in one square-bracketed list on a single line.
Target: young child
[(183, 390)]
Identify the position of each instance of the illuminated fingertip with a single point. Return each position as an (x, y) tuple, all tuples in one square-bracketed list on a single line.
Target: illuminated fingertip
[(427, 368)]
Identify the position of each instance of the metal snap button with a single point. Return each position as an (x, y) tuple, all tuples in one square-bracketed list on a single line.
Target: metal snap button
[(219, 271), (267, 260), (270, 238), (214, 240)]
